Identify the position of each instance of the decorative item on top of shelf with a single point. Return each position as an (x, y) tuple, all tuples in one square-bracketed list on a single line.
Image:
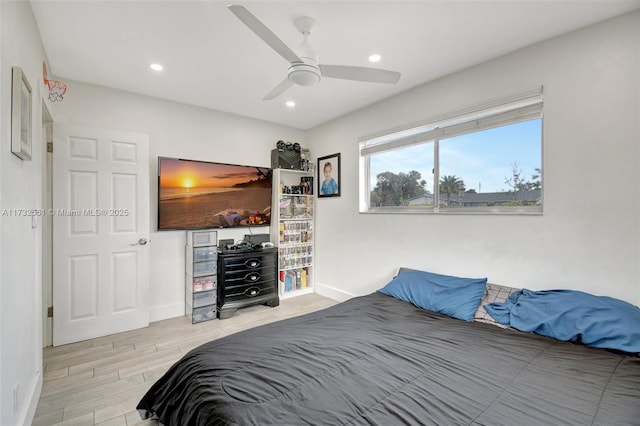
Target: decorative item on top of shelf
[(287, 146), (329, 176), (290, 155)]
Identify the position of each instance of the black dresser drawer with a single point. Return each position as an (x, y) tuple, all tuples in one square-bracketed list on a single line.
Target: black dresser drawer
[(249, 291), (248, 277), (238, 264)]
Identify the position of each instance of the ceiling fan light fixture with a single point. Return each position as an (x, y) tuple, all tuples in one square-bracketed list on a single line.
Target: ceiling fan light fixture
[(303, 74)]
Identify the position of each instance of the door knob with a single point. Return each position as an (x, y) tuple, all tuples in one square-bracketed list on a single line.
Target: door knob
[(141, 242)]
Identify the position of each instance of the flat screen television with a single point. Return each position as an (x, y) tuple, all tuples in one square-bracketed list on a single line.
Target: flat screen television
[(201, 194)]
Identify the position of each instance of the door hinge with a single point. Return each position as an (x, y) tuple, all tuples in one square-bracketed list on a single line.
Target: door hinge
[(50, 312), (49, 146)]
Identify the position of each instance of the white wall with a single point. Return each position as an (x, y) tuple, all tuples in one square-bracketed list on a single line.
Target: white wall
[(20, 245), (588, 237), (175, 130)]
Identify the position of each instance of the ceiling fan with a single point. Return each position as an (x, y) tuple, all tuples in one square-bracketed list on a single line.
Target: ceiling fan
[(305, 69)]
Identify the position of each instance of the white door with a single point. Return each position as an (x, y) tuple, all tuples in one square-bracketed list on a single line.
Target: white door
[(100, 232)]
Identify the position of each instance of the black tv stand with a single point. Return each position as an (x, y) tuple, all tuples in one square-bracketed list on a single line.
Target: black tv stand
[(245, 278)]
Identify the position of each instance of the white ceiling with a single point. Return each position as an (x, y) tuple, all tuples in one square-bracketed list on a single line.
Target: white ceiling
[(212, 60)]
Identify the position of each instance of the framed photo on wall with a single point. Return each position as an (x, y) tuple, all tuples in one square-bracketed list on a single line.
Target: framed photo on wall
[(329, 176), (20, 114)]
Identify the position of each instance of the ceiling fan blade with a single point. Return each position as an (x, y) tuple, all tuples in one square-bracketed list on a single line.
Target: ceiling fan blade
[(372, 75), (264, 33), (278, 90)]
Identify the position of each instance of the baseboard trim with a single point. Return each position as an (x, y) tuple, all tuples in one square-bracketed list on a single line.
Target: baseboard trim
[(32, 400), (332, 292), (159, 313)]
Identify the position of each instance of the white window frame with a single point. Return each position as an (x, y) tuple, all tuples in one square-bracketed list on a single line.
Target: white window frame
[(517, 108)]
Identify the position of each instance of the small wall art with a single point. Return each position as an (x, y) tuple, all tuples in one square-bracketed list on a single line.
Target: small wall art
[(329, 176)]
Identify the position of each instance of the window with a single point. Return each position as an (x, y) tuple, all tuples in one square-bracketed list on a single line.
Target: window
[(482, 159), (402, 177)]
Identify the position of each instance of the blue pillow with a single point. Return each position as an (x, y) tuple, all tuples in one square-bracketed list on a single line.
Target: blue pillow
[(457, 297), (575, 316)]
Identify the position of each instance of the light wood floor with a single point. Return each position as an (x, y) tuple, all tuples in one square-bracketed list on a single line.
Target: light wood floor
[(100, 381)]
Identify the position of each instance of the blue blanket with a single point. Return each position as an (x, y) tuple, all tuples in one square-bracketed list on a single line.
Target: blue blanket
[(575, 316)]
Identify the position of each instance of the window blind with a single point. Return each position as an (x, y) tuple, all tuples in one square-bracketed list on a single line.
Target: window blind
[(518, 108)]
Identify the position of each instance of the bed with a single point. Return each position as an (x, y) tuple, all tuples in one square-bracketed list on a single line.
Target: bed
[(378, 360)]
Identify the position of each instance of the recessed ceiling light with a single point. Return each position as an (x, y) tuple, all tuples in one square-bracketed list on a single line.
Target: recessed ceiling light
[(374, 58), (156, 67), (290, 104)]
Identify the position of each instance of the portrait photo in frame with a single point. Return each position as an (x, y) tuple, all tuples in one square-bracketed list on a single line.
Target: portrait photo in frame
[(329, 176), (20, 114)]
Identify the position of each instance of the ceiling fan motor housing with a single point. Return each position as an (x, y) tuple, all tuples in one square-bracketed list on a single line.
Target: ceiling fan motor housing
[(304, 74)]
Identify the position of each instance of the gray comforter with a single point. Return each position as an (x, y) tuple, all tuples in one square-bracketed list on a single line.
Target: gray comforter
[(377, 360)]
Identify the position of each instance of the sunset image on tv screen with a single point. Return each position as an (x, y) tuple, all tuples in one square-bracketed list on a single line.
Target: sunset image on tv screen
[(198, 194)]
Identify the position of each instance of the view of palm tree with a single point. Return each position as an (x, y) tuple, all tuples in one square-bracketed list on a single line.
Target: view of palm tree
[(451, 184)]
